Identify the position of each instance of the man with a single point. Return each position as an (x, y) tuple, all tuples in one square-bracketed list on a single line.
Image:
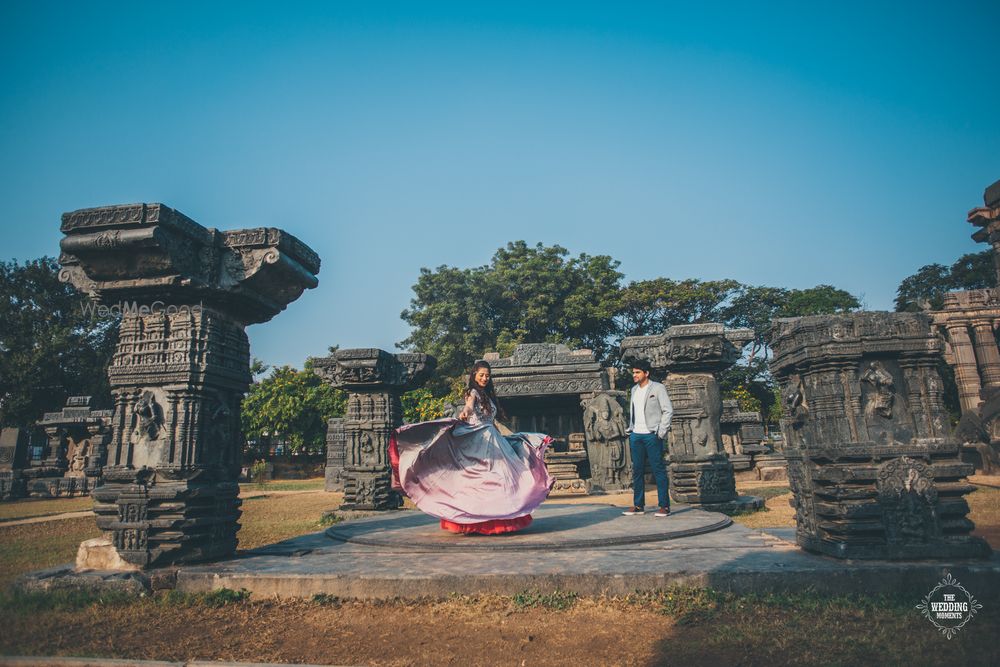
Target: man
[(649, 421)]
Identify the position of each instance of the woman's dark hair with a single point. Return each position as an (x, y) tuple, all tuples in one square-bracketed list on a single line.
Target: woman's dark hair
[(484, 396)]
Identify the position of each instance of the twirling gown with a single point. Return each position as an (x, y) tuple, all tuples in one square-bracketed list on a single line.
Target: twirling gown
[(469, 475)]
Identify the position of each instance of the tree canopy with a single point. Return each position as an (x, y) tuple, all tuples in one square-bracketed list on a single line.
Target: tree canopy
[(925, 289), (537, 294), (51, 346)]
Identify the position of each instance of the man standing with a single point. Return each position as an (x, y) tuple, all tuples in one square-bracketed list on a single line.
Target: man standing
[(649, 421)]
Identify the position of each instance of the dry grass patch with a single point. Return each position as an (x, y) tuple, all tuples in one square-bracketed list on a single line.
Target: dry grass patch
[(31, 507), (271, 519), (36, 546)]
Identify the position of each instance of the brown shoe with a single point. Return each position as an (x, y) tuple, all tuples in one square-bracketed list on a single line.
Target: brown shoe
[(634, 511), (663, 511)]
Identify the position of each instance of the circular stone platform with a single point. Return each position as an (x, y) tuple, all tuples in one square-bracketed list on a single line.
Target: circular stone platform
[(555, 526)]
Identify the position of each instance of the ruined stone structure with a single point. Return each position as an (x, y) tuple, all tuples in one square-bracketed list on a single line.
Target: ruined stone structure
[(75, 451), (542, 386), (744, 439), (870, 461), (185, 293), (13, 459), (700, 471), (373, 380), (969, 321)]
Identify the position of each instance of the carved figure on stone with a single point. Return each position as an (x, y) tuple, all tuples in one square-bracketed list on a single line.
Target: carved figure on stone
[(908, 497), (881, 399), (795, 400), (147, 419), (605, 428), (81, 457)]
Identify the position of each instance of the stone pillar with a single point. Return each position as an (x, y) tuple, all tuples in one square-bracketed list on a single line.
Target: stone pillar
[(873, 468), (700, 472), (373, 380), (607, 442), (966, 370), (13, 459), (987, 353), (185, 294)]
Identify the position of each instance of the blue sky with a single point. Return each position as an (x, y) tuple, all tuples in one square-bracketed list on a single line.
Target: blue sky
[(773, 143)]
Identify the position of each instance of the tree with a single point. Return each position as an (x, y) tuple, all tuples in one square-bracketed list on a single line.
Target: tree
[(650, 306), (925, 289), (52, 343), (524, 295), (293, 404)]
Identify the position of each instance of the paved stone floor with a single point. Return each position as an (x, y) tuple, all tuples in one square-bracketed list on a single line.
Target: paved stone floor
[(590, 549)]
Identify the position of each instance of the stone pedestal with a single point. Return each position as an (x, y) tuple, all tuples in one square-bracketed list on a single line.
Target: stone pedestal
[(13, 459), (700, 471), (185, 293), (373, 380), (873, 468)]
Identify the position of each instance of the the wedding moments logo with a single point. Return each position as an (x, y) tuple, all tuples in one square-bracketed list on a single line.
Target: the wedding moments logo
[(949, 606), (134, 308)]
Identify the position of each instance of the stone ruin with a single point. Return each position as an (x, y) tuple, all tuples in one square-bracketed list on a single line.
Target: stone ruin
[(700, 470), (745, 440), (72, 457), (548, 388), (872, 466), (968, 322), (373, 380), (185, 294)]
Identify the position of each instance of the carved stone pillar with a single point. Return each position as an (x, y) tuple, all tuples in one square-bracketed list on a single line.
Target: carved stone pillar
[(700, 471), (373, 380), (874, 471), (966, 369), (606, 435), (336, 450), (987, 353), (185, 294)]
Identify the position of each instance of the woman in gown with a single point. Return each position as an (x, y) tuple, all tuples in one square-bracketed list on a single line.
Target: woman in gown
[(464, 472)]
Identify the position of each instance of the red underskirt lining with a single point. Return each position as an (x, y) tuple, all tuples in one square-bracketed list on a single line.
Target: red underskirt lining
[(491, 527)]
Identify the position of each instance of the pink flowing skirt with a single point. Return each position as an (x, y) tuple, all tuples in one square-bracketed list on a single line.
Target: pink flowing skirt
[(471, 477)]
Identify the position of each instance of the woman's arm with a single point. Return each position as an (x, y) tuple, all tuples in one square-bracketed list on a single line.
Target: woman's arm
[(469, 409)]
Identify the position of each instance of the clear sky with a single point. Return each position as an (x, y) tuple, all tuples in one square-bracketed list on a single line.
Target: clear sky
[(787, 144)]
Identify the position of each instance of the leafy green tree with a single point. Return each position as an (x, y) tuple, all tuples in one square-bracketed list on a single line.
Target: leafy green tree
[(925, 289), (291, 404), (649, 306), (52, 345), (524, 295)]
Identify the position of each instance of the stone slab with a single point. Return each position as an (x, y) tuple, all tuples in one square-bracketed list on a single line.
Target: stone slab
[(734, 558)]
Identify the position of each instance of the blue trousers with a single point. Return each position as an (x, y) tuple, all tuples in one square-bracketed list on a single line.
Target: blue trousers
[(647, 447)]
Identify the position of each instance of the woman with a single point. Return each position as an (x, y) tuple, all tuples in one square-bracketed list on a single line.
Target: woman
[(465, 472)]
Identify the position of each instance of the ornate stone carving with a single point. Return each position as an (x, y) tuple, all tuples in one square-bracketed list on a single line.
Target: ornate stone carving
[(374, 380), (607, 442), (180, 368), (874, 471)]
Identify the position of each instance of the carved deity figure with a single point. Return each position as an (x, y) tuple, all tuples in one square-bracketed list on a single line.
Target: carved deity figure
[(881, 399), (81, 456), (147, 418), (605, 427)]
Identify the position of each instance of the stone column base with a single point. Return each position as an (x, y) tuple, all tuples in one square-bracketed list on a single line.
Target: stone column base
[(702, 482)]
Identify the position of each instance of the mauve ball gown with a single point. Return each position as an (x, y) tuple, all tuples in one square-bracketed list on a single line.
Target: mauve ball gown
[(469, 475)]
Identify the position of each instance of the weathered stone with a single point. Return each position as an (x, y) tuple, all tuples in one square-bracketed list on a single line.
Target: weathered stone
[(185, 294), (607, 442), (13, 459), (336, 450), (874, 471), (100, 554), (373, 380), (700, 471)]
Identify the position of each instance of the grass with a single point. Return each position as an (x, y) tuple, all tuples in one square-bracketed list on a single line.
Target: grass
[(688, 626), (38, 546), (271, 519), (315, 484), (31, 507)]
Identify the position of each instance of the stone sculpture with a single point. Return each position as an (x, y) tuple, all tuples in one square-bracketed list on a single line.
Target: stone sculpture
[(373, 380), (185, 294), (871, 463), (607, 442)]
